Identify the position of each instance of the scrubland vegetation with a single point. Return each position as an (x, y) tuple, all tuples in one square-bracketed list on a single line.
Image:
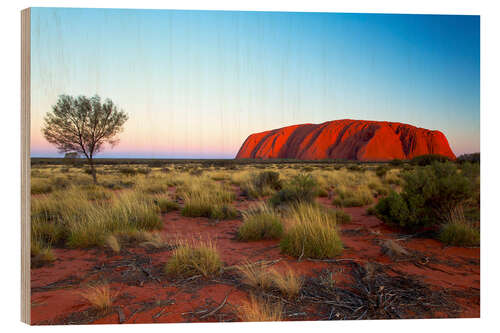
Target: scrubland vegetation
[(69, 210)]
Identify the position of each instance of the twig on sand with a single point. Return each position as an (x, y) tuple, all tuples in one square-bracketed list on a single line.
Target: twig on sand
[(302, 254), (159, 313), (121, 315), (214, 311), (336, 260)]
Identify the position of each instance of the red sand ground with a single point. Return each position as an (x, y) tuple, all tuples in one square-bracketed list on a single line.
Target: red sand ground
[(142, 298)]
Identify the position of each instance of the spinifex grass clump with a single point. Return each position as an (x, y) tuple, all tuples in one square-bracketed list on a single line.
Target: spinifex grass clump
[(360, 196), (41, 186), (311, 232), (207, 198), (260, 222), (458, 231), (70, 218), (194, 258)]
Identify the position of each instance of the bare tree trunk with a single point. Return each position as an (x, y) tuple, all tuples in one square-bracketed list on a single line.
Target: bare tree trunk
[(92, 170)]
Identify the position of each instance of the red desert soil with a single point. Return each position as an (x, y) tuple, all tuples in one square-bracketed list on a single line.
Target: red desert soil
[(143, 294), (360, 140)]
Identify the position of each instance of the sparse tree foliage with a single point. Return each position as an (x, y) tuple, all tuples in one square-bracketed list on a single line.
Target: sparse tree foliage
[(83, 125)]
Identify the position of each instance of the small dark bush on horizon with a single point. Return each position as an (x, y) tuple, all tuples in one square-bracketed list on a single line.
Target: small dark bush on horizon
[(472, 158), (428, 159)]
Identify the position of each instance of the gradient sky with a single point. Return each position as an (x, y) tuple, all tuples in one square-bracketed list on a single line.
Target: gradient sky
[(196, 83)]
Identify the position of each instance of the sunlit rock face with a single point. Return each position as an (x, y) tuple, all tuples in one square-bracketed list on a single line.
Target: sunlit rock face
[(346, 139)]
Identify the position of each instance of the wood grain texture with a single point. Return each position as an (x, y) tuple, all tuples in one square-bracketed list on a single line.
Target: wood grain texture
[(25, 164)]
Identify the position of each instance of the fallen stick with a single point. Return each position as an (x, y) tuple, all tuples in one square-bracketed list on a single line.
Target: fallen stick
[(214, 311), (335, 260)]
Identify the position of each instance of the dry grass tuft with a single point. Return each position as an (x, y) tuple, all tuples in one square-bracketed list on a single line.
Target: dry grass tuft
[(458, 231), (260, 310), (255, 276), (393, 249), (288, 283), (99, 296), (113, 243), (154, 240)]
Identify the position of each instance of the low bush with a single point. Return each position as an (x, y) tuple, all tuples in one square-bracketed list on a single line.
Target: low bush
[(429, 193), (260, 222), (261, 184), (302, 188)]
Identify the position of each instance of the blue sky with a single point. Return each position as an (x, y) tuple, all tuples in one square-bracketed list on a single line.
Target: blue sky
[(197, 83)]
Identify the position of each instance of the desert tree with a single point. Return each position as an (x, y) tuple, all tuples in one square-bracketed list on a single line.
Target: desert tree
[(83, 125)]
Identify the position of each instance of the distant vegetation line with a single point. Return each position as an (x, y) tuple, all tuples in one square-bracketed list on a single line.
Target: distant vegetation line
[(224, 162), (161, 161)]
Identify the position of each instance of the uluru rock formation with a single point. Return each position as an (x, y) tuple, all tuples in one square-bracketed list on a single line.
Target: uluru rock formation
[(348, 139)]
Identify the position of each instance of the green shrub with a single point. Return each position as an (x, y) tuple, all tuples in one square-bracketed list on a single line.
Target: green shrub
[(261, 184), (394, 208), (429, 193), (259, 223), (302, 188)]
